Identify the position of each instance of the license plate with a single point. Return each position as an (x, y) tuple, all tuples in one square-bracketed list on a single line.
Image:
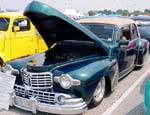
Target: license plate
[(23, 103)]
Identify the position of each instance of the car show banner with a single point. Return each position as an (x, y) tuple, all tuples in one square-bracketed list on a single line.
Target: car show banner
[(6, 87)]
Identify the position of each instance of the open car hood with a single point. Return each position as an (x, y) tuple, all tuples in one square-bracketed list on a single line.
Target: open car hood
[(54, 26)]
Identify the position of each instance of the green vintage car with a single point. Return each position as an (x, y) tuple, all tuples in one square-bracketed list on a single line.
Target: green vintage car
[(80, 66)]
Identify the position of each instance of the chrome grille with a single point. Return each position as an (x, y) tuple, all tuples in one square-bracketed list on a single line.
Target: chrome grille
[(41, 96), (42, 80)]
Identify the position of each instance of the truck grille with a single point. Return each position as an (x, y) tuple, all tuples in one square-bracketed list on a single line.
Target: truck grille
[(42, 80), (41, 96)]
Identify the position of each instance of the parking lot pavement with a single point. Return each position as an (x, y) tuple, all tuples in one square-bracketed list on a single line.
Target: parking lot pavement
[(132, 104), (8, 113)]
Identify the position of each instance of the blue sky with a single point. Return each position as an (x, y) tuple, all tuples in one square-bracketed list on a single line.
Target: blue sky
[(81, 5)]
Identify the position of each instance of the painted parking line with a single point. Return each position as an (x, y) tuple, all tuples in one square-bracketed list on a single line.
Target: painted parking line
[(110, 110)]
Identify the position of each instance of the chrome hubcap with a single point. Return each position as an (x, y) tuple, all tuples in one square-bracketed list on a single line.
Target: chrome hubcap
[(100, 90)]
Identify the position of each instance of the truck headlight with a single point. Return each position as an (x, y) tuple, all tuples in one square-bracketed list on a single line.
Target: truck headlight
[(66, 81), (8, 69)]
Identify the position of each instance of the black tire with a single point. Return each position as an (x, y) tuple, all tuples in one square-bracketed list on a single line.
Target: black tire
[(139, 59), (1, 64), (99, 93)]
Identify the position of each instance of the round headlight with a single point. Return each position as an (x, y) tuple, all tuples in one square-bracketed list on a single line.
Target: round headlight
[(65, 81)]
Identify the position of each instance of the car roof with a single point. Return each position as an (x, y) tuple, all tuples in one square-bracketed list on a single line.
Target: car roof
[(108, 20), (141, 18)]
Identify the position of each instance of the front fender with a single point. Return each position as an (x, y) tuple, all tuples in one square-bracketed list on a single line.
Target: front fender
[(4, 57), (90, 75), (111, 78)]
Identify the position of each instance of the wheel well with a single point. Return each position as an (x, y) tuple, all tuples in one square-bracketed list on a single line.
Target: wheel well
[(108, 85), (1, 61)]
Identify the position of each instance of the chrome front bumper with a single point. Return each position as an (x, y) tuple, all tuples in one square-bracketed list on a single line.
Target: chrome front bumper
[(71, 106)]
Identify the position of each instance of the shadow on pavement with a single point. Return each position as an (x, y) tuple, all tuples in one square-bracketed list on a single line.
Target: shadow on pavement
[(142, 88), (138, 110)]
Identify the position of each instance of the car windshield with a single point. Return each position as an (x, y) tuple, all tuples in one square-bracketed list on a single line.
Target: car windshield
[(103, 31), (4, 22), (144, 31), (144, 28)]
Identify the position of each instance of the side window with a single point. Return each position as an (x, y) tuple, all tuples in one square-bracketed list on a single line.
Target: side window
[(23, 24), (126, 32), (119, 35), (134, 33)]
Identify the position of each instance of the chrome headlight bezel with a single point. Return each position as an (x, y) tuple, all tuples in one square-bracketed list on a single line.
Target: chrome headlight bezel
[(24, 72), (66, 81), (8, 69)]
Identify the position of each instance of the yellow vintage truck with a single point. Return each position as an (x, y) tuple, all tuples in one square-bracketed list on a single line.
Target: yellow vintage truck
[(18, 37)]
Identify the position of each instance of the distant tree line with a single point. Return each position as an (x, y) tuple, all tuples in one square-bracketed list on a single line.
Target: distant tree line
[(12, 10), (9, 10), (119, 12)]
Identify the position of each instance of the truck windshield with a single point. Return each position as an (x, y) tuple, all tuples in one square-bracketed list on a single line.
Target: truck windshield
[(4, 22)]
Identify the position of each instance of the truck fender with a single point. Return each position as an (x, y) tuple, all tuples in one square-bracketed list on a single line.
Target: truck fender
[(4, 57)]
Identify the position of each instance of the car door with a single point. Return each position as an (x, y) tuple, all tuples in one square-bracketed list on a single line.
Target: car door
[(23, 42), (127, 54)]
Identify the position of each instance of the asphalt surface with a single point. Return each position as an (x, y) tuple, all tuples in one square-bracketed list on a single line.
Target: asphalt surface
[(127, 99)]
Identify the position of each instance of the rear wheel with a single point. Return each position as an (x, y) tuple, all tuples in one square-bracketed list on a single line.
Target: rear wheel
[(98, 93), (139, 59)]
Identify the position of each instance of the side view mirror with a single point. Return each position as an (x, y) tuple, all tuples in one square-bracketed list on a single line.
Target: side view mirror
[(16, 28), (123, 42)]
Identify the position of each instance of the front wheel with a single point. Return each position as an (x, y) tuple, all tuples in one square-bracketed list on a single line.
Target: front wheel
[(98, 93), (1, 63)]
